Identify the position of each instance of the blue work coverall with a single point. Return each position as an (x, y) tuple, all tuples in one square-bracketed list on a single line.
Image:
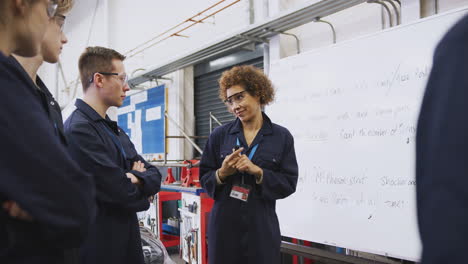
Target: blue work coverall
[(37, 173), (52, 108), (248, 232), (106, 152), (48, 102), (442, 153)]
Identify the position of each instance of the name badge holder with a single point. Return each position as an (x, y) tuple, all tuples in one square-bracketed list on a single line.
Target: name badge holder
[(242, 191)]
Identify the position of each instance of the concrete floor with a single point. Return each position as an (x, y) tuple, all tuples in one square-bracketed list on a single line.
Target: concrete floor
[(177, 259), (174, 253)]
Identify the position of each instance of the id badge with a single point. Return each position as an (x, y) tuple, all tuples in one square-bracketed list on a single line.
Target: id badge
[(240, 192)]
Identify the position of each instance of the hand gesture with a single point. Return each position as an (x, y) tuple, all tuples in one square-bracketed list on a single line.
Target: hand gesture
[(244, 164), (15, 211), (139, 166), (133, 178), (229, 164)]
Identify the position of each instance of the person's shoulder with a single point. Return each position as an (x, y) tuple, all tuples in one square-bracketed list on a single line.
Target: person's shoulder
[(460, 28), (280, 129), (77, 120), (16, 89), (10, 71), (9, 64), (457, 36)]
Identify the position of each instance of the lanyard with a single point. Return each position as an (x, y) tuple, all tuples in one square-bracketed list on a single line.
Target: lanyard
[(116, 141), (251, 154), (56, 128)]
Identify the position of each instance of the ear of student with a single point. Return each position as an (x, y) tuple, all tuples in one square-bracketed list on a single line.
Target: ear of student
[(99, 79), (20, 7)]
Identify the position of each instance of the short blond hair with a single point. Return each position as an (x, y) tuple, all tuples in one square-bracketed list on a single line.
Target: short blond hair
[(64, 6)]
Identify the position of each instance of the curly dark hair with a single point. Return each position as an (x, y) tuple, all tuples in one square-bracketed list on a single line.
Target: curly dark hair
[(254, 81)]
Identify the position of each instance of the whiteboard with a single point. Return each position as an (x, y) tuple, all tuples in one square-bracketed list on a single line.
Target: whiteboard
[(352, 109)]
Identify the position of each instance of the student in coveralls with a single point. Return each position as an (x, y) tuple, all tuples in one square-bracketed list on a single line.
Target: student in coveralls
[(124, 180), (245, 183), (51, 48), (47, 201), (442, 153)]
